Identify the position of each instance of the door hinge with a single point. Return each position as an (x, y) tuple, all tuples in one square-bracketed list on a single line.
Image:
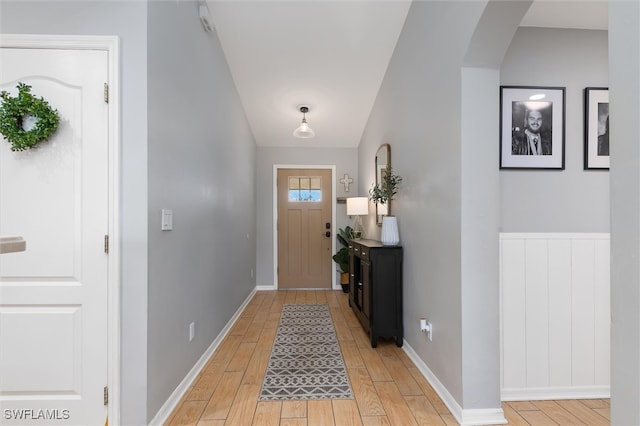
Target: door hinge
[(106, 244), (106, 395), (106, 93)]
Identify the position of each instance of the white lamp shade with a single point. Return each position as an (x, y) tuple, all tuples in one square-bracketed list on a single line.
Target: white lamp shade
[(304, 131), (357, 206)]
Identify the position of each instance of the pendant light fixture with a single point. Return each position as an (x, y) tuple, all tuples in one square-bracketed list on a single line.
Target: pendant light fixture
[(304, 131)]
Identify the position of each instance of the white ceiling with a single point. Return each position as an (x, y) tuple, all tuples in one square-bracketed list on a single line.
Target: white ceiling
[(580, 14), (331, 56)]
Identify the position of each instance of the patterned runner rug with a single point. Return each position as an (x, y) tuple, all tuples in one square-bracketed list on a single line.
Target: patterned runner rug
[(306, 362)]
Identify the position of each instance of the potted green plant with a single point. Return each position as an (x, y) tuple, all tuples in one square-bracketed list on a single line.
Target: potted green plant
[(342, 256), (382, 193)]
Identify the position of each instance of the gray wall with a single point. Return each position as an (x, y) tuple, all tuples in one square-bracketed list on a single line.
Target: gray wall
[(454, 200), (418, 112), (345, 160), (202, 166), (624, 66), (573, 200), (128, 20)]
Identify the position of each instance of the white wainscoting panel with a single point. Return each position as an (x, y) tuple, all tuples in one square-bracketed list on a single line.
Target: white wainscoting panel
[(555, 316)]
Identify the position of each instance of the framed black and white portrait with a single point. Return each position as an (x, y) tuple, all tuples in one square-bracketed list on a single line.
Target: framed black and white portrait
[(532, 127), (596, 128)]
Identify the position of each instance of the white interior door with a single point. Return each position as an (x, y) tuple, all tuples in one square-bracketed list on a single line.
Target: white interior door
[(53, 296)]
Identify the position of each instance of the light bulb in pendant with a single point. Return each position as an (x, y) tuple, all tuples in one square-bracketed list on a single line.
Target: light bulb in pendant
[(304, 131)]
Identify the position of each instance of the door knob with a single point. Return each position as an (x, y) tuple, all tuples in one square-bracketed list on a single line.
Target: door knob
[(327, 234)]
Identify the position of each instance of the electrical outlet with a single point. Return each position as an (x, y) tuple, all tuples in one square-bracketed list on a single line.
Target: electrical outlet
[(426, 327), (192, 331)]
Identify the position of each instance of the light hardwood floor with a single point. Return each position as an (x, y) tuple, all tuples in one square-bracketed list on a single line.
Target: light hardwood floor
[(387, 386)]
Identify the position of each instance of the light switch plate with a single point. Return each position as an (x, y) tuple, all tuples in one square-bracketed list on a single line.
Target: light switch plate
[(167, 220)]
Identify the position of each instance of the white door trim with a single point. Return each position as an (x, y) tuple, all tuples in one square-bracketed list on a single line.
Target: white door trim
[(110, 44), (275, 213)]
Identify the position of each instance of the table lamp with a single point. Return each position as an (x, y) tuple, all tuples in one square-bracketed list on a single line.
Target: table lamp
[(357, 206)]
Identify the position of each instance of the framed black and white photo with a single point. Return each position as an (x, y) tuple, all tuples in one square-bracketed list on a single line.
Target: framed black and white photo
[(596, 128), (532, 127)]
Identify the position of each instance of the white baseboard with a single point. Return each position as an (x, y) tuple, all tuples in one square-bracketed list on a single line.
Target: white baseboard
[(485, 416), (442, 392), (172, 402), (266, 287), (273, 287), (548, 393)]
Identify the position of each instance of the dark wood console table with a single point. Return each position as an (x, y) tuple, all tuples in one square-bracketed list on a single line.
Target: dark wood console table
[(375, 288)]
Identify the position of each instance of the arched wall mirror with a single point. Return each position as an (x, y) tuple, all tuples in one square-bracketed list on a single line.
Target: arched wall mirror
[(383, 159)]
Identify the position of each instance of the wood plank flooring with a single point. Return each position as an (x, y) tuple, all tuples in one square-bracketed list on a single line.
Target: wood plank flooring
[(388, 388), (589, 412)]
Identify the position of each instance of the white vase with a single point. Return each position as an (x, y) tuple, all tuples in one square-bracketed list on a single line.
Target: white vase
[(389, 235)]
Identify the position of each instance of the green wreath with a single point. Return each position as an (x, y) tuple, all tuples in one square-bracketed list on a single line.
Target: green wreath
[(12, 115)]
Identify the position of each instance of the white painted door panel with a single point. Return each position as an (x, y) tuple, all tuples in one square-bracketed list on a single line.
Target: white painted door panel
[(53, 296)]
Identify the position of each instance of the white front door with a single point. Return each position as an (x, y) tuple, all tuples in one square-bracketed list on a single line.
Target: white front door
[(53, 296)]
